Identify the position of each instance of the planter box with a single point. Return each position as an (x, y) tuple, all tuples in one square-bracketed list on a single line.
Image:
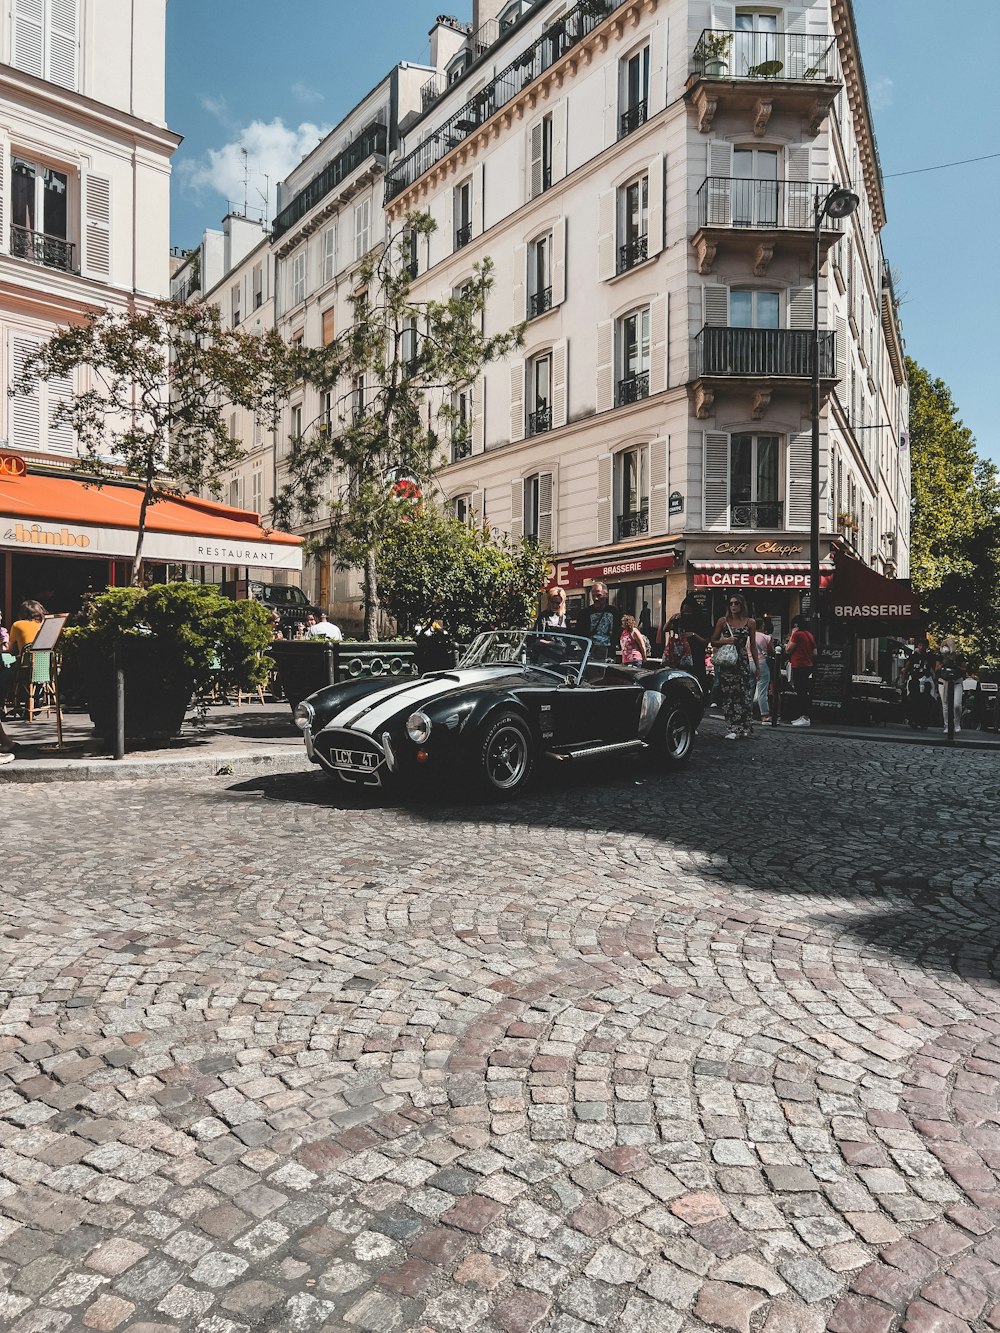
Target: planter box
[(305, 666), (154, 707)]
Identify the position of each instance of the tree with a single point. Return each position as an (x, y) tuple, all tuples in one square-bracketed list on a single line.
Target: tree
[(955, 516), (161, 384), (435, 567), (395, 376)]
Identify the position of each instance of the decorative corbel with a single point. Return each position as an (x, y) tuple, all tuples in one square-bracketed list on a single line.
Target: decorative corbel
[(759, 402), (761, 115), (703, 399), (816, 117), (704, 250), (762, 257), (706, 108)]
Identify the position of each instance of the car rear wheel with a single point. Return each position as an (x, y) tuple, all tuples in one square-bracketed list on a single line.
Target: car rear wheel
[(506, 757), (675, 738)]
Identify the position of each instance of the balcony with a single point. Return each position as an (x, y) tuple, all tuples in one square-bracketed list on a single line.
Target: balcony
[(372, 140), (633, 524), (632, 388), (754, 72), (632, 118), (540, 421), (463, 235), (39, 248), (461, 448), (760, 360), (539, 302), (757, 514), (633, 252), (758, 217)]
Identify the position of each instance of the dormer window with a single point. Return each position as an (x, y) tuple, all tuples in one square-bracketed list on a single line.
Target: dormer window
[(456, 67)]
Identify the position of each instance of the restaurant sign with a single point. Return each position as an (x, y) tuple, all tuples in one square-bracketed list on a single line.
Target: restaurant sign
[(12, 465), (756, 578), (762, 548), (173, 547), (567, 575)]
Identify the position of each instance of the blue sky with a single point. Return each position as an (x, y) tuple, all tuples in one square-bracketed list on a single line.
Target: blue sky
[(272, 78)]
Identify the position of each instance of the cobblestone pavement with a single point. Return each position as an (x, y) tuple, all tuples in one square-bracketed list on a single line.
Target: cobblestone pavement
[(639, 1053)]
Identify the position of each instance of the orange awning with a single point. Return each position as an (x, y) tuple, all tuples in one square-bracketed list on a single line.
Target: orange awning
[(64, 516)]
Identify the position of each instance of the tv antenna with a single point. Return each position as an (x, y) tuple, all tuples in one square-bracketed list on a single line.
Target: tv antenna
[(246, 177)]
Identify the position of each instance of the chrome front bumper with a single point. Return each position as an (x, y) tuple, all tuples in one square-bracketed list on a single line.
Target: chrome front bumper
[(356, 759)]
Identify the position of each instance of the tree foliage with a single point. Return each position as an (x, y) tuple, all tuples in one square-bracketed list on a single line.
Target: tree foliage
[(955, 518), (158, 388), (435, 567), (394, 374)]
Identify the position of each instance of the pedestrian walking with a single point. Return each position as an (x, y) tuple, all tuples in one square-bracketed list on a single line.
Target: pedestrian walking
[(735, 643), (632, 643), (765, 655), (801, 650), (919, 678), (951, 669), (690, 623), (553, 615)]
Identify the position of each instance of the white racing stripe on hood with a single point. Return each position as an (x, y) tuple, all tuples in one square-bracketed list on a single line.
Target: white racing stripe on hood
[(384, 706)]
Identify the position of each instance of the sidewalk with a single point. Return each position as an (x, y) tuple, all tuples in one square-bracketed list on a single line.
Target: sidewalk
[(892, 732), (257, 738)]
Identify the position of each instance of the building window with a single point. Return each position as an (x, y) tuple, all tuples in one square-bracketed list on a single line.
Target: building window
[(299, 278), (46, 40), (39, 214), (755, 188), (461, 428), (539, 404), (362, 228), (330, 254), (456, 68), (408, 348), (258, 286), (329, 326), (358, 397), (633, 492), (463, 214), (633, 357), (461, 508), (235, 295), (633, 223), (752, 309), (756, 42), (540, 178), (540, 275), (326, 412), (532, 508), (257, 492), (754, 478), (410, 255), (296, 422), (634, 92)]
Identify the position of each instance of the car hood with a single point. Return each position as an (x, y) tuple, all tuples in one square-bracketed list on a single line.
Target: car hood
[(373, 711)]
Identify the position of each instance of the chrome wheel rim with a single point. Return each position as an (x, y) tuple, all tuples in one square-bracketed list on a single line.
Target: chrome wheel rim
[(507, 758), (678, 733)]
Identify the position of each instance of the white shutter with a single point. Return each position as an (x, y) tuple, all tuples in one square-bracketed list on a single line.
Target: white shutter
[(604, 480), (559, 384), (97, 227), (560, 139), (800, 307), (29, 40), (536, 140), (605, 366), (517, 401), (362, 227), (517, 508), (545, 506), (448, 225), (559, 262), (25, 408), (658, 68), (63, 43), (798, 201), (61, 438), (658, 344), (477, 507), (723, 16), (658, 488), (520, 270), (606, 235), (654, 243), (720, 186), (715, 481), (330, 253), (797, 44), (479, 200), (847, 271), (799, 477), (4, 175), (716, 300), (478, 394), (611, 78)]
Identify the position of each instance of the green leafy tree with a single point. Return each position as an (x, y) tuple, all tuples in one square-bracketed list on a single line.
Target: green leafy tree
[(955, 517), (161, 384), (435, 567), (394, 376)]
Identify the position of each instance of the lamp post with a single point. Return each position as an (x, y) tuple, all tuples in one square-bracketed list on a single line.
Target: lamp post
[(839, 203)]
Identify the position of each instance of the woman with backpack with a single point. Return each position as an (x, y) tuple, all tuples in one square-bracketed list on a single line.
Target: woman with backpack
[(633, 643), (688, 633)]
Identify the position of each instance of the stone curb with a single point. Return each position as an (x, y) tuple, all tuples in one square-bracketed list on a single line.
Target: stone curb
[(237, 764), (932, 738)]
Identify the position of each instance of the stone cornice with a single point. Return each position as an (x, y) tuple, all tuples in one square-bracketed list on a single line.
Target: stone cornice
[(857, 93)]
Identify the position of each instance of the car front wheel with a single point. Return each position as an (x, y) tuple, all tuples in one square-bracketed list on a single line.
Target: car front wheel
[(676, 736), (506, 757)]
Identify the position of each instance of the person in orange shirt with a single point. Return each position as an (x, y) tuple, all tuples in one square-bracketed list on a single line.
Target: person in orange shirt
[(29, 621)]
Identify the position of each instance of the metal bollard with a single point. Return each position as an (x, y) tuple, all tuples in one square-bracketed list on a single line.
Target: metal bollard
[(950, 697), (119, 709)]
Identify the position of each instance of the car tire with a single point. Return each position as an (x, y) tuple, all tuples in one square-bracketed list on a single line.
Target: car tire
[(675, 734), (506, 757)]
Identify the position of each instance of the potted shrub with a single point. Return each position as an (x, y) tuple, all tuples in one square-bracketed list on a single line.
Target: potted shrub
[(715, 48), (307, 665), (172, 640)]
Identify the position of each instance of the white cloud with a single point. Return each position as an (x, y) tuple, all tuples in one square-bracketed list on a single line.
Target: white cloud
[(307, 95), (273, 149), (881, 92), (216, 106)]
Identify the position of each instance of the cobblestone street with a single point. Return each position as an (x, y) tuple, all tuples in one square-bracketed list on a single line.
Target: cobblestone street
[(717, 1050)]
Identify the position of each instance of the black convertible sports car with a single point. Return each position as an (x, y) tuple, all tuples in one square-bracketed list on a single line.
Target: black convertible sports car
[(516, 695)]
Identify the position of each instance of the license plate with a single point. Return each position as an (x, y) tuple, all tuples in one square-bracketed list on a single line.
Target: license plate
[(356, 760)]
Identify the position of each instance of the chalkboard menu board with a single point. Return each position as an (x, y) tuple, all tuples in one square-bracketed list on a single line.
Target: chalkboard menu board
[(832, 678)]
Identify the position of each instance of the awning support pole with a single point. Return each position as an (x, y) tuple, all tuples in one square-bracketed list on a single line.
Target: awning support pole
[(119, 709)]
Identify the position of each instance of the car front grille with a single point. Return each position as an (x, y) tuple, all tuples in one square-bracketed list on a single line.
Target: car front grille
[(353, 757)]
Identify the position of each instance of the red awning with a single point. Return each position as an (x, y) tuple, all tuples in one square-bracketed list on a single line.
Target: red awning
[(566, 574), (868, 602), (753, 574)]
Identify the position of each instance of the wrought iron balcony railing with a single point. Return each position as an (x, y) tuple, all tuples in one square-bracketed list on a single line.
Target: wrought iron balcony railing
[(632, 388), (632, 118), (727, 202), (533, 61), (633, 252), (463, 235), (757, 514), (539, 302), (633, 524), (39, 248), (371, 140), (540, 421), (460, 448), (720, 350), (758, 54)]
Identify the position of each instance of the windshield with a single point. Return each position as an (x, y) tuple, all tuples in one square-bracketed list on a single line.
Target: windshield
[(552, 651), (275, 595)]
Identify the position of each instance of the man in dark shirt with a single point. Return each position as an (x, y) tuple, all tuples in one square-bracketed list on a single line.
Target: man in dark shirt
[(600, 622)]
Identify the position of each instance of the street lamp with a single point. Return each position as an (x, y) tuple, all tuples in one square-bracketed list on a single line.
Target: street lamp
[(839, 203)]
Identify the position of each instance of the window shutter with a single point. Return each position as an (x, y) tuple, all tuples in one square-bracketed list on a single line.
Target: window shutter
[(4, 174), (559, 384), (799, 477), (60, 393), (330, 254), (605, 365), (559, 262), (658, 344), (611, 81), (716, 305), (723, 16), (796, 46), (478, 394), (477, 503), (97, 227), (25, 408), (517, 401), (520, 272), (658, 68), (517, 508), (720, 187), (654, 242), (604, 478), (29, 40), (606, 235), (448, 225), (545, 508), (535, 142), (800, 308), (715, 493), (798, 202), (479, 200), (658, 517), (63, 43), (560, 139)]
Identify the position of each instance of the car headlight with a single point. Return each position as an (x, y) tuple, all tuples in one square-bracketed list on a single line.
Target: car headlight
[(418, 727), (304, 715)]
